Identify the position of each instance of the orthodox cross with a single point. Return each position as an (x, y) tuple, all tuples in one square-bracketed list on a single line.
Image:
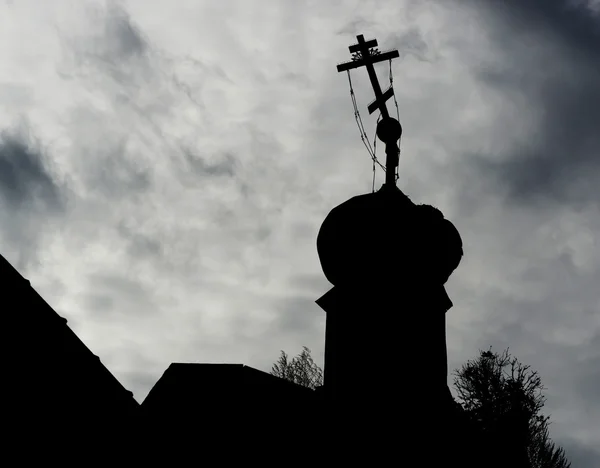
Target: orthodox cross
[(389, 129)]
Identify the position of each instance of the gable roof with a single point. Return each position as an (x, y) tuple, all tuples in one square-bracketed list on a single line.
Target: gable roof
[(51, 368)]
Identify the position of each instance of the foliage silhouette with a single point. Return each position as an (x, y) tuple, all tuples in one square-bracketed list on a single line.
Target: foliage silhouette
[(498, 394), (503, 396), (301, 370)]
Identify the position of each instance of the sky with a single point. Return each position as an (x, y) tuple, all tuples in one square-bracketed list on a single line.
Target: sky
[(165, 168)]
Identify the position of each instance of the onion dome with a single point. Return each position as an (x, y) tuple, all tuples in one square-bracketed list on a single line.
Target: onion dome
[(383, 237)]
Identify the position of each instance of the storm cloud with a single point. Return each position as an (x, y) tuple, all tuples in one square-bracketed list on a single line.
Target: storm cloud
[(550, 67)]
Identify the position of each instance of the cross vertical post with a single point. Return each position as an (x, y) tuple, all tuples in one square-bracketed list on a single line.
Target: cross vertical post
[(389, 130)]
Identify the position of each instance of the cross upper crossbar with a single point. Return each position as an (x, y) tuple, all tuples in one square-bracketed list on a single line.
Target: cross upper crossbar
[(365, 56)]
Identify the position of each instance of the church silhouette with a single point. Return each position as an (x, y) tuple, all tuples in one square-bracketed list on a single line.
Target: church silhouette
[(385, 398)]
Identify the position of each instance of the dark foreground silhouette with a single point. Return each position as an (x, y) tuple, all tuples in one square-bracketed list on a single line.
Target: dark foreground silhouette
[(61, 397)]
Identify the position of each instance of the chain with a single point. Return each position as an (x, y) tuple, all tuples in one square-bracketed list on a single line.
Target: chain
[(397, 176), (375, 152), (372, 150), (361, 128)]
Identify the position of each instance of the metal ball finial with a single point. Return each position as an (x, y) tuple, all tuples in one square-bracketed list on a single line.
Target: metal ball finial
[(389, 130)]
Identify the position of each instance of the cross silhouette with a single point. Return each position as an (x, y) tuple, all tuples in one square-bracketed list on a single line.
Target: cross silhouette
[(389, 129), (363, 54)]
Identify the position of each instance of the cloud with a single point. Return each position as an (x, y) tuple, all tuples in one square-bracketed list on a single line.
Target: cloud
[(25, 178), (31, 196), (580, 455), (520, 169), (204, 145), (548, 67), (134, 296), (112, 41), (199, 167)]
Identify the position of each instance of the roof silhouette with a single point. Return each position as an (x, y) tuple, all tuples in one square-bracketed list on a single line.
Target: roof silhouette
[(52, 375), (63, 392)]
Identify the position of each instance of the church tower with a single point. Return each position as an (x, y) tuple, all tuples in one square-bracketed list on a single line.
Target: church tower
[(388, 260)]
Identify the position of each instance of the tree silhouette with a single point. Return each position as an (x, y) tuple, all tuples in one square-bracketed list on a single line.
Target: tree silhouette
[(501, 396), (504, 400), (301, 370)]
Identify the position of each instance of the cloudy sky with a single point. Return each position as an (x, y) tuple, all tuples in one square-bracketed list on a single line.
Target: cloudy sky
[(165, 167)]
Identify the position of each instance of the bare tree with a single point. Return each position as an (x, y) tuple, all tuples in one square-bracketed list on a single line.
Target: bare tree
[(504, 399), (301, 370)]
